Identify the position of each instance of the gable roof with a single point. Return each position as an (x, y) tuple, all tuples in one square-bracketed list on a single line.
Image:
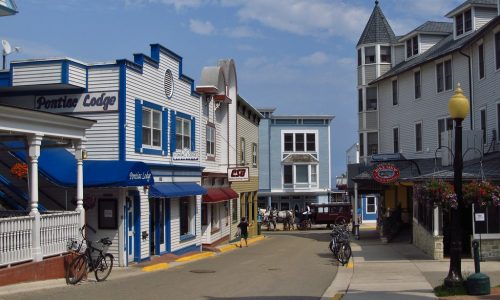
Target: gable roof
[(444, 47), (469, 3), (431, 27), (377, 30)]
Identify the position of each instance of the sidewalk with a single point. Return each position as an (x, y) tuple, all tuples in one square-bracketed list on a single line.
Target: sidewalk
[(155, 264), (398, 270)]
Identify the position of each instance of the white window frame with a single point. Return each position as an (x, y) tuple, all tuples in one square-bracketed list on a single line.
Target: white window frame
[(254, 154), (484, 122), (445, 121), (182, 133), (415, 86), (150, 127), (479, 65), (421, 136), (294, 133), (190, 214), (304, 185), (462, 14), (442, 71), (210, 140), (243, 151), (412, 40), (399, 140)]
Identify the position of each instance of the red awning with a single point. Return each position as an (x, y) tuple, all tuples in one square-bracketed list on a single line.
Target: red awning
[(219, 194)]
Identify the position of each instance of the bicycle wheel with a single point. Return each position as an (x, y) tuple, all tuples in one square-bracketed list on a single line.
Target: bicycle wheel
[(344, 253), (104, 267), (77, 269)]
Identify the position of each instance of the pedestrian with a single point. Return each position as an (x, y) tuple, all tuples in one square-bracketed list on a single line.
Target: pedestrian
[(243, 226)]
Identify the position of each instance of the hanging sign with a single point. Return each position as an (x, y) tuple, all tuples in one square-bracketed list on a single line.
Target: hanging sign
[(385, 173), (78, 103), (238, 174)]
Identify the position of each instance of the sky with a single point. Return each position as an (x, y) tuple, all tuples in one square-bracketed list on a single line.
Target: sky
[(298, 56)]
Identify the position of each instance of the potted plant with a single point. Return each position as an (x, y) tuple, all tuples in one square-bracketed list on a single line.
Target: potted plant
[(482, 193)]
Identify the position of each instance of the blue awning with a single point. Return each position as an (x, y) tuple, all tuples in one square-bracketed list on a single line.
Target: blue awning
[(59, 166), (177, 189)]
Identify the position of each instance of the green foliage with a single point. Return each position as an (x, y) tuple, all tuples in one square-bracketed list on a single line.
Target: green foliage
[(443, 291)]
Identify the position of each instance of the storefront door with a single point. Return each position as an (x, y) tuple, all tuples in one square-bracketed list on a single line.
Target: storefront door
[(129, 215), (157, 212), (370, 208)]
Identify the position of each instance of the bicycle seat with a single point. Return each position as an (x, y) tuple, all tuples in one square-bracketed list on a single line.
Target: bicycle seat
[(105, 241)]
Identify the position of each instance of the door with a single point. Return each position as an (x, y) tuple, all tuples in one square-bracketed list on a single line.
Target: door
[(129, 213), (370, 208)]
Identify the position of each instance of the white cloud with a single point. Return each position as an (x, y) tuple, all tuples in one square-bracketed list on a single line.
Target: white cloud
[(317, 58), (241, 32), (201, 27), (178, 4)]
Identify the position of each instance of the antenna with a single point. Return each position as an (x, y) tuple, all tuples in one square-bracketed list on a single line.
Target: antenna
[(7, 49)]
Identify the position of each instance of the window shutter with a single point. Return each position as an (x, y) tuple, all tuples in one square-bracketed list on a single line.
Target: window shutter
[(172, 131), (193, 134), (164, 131), (138, 125)]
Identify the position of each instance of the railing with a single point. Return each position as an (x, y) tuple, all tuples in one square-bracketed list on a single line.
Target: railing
[(16, 239), (16, 235), (56, 229)]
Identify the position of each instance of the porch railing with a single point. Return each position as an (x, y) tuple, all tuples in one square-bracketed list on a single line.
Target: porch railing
[(16, 235)]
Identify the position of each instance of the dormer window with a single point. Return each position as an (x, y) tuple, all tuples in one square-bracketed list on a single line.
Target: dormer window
[(385, 54), (370, 55), (463, 22), (412, 47)]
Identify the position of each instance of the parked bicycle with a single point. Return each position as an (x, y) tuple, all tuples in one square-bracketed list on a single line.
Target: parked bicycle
[(87, 261), (340, 243)]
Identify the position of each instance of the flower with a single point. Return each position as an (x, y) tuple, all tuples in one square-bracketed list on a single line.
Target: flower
[(437, 193), (19, 170), (481, 193)]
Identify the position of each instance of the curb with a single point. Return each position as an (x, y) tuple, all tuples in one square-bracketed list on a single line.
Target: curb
[(234, 246), (195, 257), (340, 284), (156, 267)]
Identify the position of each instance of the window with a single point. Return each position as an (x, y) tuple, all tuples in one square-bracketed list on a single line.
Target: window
[(285, 205), (463, 22), (394, 92), (242, 151), (302, 173), (311, 142), (234, 210), (443, 125), (360, 100), (204, 214), (483, 124), (183, 133), (412, 47), (497, 50), (371, 205), (288, 141), (385, 54), (480, 53), (314, 174), (395, 139), (418, 137), (185, 215), (372, 138), (214, 218), (371, 98), (288, 174), (359, 57), (254, 154), (299, 142), (498, 120), (210, 140), (443, 76), (370, 55), (361, 145), (418, 91), (151, 127)]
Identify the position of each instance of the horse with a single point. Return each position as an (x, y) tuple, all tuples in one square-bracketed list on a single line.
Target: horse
[(288, 218), (269, 218)]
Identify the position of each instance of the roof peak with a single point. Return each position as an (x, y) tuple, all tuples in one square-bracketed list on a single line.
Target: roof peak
[(377, 29)]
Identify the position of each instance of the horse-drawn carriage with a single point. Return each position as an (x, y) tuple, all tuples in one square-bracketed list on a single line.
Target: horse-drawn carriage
[(331, 213)]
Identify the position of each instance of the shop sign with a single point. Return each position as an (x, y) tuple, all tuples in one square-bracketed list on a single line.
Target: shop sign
[(78, 103), (139, 176), (238, 174), (385, 173), (185, 154)]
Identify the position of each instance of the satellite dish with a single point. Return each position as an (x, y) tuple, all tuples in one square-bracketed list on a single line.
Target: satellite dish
[(7, 49)]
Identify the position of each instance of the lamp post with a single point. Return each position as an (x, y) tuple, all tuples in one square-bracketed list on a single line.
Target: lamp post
[(458, 107)]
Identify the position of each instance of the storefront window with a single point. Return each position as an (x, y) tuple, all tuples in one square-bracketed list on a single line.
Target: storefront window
[(183, 134), (185, 215)]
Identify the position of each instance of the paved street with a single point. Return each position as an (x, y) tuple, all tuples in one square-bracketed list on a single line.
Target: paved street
[(287, 265)]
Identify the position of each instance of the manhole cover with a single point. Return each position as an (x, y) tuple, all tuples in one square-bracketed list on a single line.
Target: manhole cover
[(202, 271), (273, 269)]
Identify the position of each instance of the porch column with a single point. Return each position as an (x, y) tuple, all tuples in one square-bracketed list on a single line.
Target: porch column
[(435, 221), (79, 182), (269, 201), (34, 142)]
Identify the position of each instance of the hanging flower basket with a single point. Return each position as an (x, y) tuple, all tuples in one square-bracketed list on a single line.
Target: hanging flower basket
[(20, 170), (482, 193), (436, 193)]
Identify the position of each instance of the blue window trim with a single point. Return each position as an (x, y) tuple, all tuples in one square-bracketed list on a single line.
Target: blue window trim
[(122, 107), (137, 226), (173, 132), (139, 104)]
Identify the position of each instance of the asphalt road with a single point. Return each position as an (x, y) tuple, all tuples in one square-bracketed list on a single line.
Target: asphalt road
[(286, 265)]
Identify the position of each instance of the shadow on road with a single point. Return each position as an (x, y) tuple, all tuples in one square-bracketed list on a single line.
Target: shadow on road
[(265, 298)]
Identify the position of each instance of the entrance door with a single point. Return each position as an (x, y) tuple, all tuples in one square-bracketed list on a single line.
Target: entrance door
[(129, 213), (370, 208), (157, 213)]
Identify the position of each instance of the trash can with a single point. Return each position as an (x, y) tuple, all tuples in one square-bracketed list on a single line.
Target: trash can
[(258, 228)]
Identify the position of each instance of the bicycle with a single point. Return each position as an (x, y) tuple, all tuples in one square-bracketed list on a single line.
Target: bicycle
[(85, 262), (340, 244)]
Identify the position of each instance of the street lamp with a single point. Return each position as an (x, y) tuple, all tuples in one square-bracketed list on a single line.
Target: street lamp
[(458, 106)]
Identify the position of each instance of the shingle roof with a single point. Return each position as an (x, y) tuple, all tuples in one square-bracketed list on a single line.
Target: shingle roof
[(377, 29), (472, 3), (434, 27), (444, 47)]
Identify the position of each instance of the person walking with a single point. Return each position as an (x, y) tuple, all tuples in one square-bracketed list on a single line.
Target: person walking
[(243, 227)]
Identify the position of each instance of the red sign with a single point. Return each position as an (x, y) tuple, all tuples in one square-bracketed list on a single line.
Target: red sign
[(238, 174), (385, 173)]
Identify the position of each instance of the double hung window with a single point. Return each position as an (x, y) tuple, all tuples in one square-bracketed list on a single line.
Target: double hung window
[(299, 142), (395, 92), (418, 137), (369, 55), (463, 22), (497, 50), (185, 214), (371, 98), (151, 127), (443, 125), (183, 133), (210, 140), (395, 139), (480, 53), (443, 76), (254, 154), (417, 81), (412, 47), (300, 176)]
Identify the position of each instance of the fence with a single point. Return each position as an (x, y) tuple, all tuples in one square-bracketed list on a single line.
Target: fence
[(16, 235)]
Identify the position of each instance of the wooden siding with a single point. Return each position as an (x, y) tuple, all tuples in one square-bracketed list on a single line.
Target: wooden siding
[(250, 132), (360, 76), (370, 73), (483, 16), (176, 243), (264, 152), (36, 74), (398, 54), (103, 79), (77, 76), (246, 186), (102, 137), (428, 40), (149, 86), (427, 110), (361, 124), (219, 119), (371, 120), (384, 68)]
